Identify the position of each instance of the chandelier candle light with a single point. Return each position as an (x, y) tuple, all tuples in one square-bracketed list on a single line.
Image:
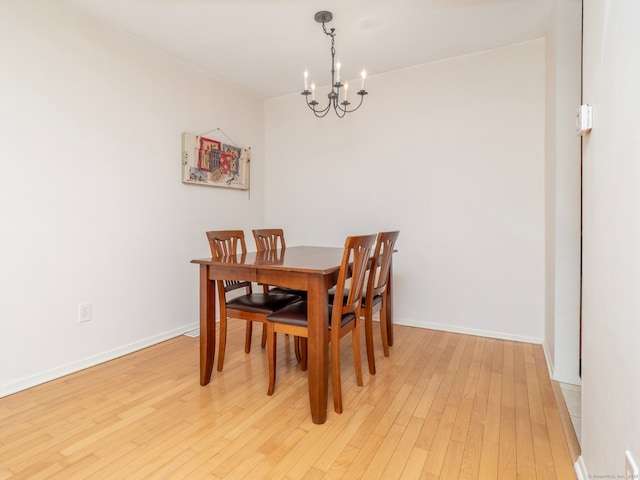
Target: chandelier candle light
[(340, 107)]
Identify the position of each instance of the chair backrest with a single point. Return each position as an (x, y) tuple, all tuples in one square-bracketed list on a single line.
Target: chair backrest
[(268, 239), (378, 277), (225, 243), (357, 251)]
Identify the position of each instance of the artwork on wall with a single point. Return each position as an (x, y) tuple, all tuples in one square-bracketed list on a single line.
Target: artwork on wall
[(206, 161)]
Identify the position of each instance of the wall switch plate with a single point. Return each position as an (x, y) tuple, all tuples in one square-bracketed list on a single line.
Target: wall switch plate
[(631, 469), (84, 312)]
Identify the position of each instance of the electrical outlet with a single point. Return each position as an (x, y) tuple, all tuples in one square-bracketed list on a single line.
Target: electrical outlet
[(631, 469), (84, 312)]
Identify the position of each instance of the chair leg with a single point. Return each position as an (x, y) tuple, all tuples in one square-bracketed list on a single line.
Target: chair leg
[(355, 342), (271, 356), (335, 375), (368, 334), (296, 348), (264, 335), (303, 353), (384, 329), (222, 343), (247, 337)]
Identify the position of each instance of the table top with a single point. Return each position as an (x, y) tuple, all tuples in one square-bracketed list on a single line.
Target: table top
[(296, 259)]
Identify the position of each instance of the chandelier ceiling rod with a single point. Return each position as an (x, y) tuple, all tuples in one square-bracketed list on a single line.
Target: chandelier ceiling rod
[(340, 107)]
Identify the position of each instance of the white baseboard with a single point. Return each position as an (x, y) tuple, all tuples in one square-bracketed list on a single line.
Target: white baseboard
[(547, 356), (92, 361), (581, 469), (467, 331)]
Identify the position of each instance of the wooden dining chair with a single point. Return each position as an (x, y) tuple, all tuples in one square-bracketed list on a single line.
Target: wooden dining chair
[(344, 317), (375, 296), (252, 307), (273, 239)]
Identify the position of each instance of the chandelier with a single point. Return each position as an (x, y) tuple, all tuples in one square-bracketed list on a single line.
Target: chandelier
[(339, 94)]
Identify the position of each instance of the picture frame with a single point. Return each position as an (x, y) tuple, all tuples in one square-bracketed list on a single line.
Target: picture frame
[(210, 162)]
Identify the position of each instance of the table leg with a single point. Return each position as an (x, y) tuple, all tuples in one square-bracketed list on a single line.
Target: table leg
[(389, 304), (207, 324), (317, 348)]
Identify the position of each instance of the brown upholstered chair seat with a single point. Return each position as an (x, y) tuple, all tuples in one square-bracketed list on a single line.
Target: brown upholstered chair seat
[(261, 302), (291, 291), (296, 314), (376, 298)]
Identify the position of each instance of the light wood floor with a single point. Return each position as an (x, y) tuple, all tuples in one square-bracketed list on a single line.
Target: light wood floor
[(442, 406)]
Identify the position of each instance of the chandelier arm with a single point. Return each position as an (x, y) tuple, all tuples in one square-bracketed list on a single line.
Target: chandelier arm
[(321, 113), (318, 113), (346, 109)]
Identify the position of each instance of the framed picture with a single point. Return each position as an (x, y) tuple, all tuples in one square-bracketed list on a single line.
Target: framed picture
[(206, 161)]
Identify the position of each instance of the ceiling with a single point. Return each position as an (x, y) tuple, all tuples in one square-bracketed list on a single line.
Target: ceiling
[(264, 46)]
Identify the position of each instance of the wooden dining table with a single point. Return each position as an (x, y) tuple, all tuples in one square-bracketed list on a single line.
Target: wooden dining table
[(314, 269)]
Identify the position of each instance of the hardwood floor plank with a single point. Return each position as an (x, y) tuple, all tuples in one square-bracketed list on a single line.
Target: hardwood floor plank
[(459, 369), (524, 438), (277, 453), (444, 376), (470, 465), (365, 456), (415, 464), (536, 406), (452, 460), (337, 470), (470, 461), (341, 441), (91, 470), (402, 454), (542, 451), (557, 443), (383, 455), (491, 427), (507, 446)]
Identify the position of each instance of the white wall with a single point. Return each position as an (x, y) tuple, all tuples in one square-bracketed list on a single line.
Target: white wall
[(611, 237), (562, 186), (91, 203), (452, 154)]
